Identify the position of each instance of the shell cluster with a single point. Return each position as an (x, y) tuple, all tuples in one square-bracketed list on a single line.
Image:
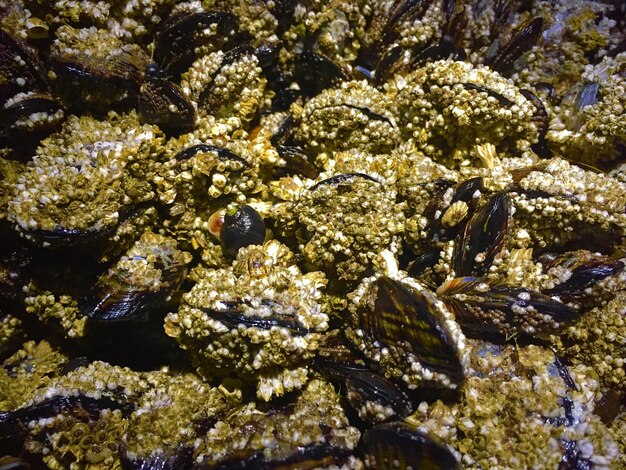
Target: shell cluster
[(312, 234)]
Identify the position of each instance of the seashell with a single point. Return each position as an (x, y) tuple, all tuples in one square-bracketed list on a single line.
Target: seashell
[(243, 228), (523, 39), (28, 115), (162, 103), (419, 269), (297, 163), (231, 315), (573, 457), (222, 153), (502, 100), (142, 280), (316, 72), (21, 69), (371, 395), (584, 270), (341, 179), (400, 445), (14, 425), (410, 325), (504, 309), (483, 238), (95, 83), (182, 35)]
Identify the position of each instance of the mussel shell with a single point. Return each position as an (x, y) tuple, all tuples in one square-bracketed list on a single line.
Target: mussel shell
[(404, 317), (243, 228), (181, 34), (524, 38), (585, 275), (221, 152), (162, 103), (365, 386), (95, 85), (340, 364), (284, 131), (18, 62), (316, 72), (341, 179), (297, 163), (485, 233), (572, 458), (308, 457), (115, 296), (474, 303), (502, 100), (14, 425), (232, 316), (399, 445), (105, 303), (66, 237), (8, 462), (24, 139), (465, 192), (178, 460), (588, 95), (409, 10), (39, 103), (419, 269)]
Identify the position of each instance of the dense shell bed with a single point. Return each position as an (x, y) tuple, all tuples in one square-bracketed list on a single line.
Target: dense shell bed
[(306, 234)]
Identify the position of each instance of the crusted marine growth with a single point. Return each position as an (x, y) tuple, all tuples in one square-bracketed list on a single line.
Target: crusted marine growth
[(144, 278), (353, 116), (519, 409), (415, 200), (109, 71), (92, 442), (169, 414), (102, 414), (313, 429), (27, 370), (56, 311), (82, 186), (448, 107), (11, 332), (345, 221), (225, 84), (592, 123), (254, 319), (597, 339)]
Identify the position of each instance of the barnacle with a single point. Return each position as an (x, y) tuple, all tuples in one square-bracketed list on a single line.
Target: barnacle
[(346, 220), (541, 421), (312, 233), (81, 187), (448, 107), (315, 426), (255, 318)]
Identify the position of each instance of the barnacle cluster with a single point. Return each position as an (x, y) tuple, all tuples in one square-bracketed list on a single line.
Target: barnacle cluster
[(312, 234)]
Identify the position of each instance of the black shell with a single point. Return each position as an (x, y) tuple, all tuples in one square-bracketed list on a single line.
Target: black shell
[(316, 72), (222, 153), (243, 228), (181, 34), (491, 309), (399, 445), (486, 233), (162, 103), (232, 316), (404, 318), (18, 62), (524, 38)]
